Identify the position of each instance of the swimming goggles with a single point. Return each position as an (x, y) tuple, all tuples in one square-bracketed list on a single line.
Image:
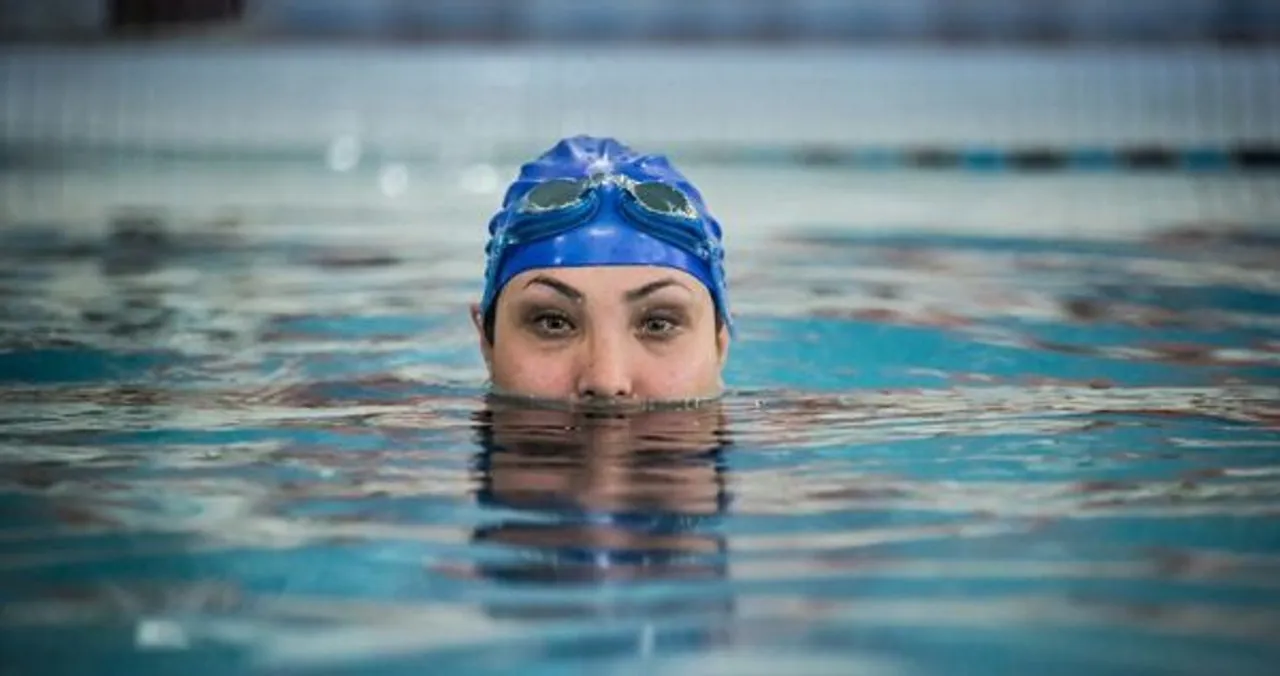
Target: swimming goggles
[(656, 208)]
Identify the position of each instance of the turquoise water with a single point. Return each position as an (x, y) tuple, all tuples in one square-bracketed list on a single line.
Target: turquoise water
[(257, 448)]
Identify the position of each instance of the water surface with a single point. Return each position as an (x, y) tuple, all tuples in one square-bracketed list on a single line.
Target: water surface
[(264, 446)]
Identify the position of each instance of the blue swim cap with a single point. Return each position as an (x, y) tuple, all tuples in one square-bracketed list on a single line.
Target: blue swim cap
[(607, 234)]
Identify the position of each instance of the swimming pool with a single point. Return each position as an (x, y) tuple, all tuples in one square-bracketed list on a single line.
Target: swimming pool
[(251, 436)]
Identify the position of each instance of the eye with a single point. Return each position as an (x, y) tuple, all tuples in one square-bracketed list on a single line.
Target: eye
[(552, 324), (659, 326)]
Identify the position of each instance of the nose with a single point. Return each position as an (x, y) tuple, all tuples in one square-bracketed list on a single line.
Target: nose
[(605, 372)]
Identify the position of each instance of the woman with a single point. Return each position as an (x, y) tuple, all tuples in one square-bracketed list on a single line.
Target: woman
[(605, 281)]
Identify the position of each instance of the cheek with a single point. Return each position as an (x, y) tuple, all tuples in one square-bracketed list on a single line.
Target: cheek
[(689, 373), (521, 370)]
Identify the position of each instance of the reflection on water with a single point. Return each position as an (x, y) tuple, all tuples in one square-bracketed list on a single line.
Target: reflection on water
[(604, 500), (252, 451)]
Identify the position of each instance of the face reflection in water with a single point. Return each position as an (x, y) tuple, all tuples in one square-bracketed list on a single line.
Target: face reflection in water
[(601, 498)]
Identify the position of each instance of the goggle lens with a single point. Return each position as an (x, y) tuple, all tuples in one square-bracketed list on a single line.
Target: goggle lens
[(554, 195), (663, 199)]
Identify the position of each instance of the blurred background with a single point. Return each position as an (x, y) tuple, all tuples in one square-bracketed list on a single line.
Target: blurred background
[(1218, 21), (1065, 118), (375, 106)]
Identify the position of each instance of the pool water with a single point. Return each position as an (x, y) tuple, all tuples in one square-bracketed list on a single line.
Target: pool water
[(263, 447)]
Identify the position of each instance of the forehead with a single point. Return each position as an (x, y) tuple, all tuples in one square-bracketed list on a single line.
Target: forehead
[(610, 281)]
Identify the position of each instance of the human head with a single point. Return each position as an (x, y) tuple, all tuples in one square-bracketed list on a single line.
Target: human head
[(592, 293)]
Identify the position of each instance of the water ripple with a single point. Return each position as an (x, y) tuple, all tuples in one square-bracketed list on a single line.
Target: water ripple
[(245, 452)]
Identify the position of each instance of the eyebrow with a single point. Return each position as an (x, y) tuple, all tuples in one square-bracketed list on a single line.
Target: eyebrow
[(639, 293), (558, 286), (630, 296)]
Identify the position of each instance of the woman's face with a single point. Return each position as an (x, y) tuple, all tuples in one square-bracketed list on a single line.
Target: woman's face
[(629, 333)]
